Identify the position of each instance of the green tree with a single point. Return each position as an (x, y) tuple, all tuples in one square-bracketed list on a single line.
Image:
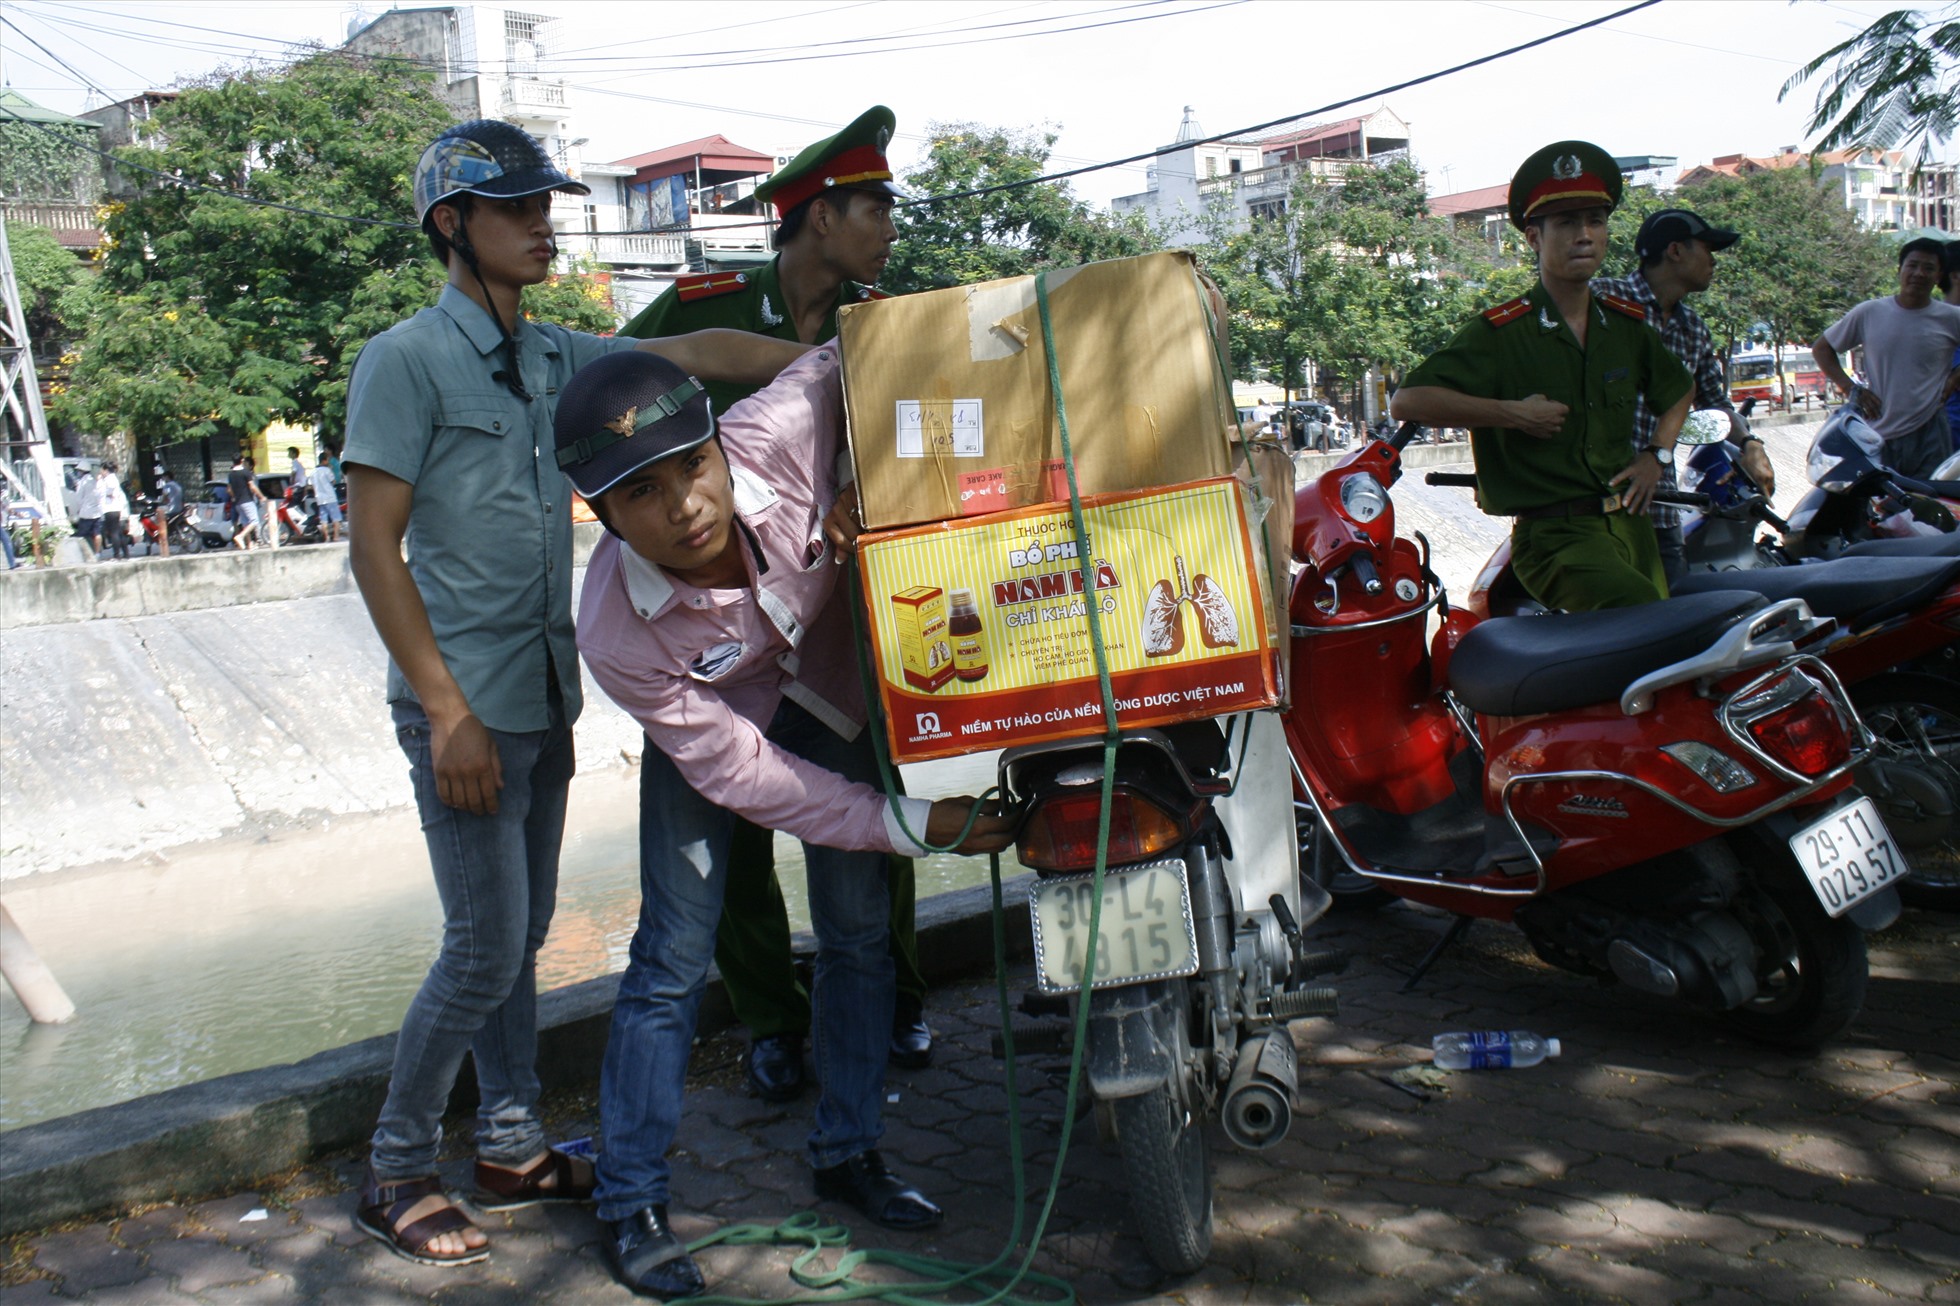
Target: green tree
[(48, 161), (247, 312), (1006, 233), (44, 271), (1351, 275), (1895, 83)]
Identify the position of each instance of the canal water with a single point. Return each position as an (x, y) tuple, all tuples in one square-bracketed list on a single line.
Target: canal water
[(231, 956)]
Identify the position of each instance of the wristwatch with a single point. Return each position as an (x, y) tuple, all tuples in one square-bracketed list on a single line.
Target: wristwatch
[(1663, 456)]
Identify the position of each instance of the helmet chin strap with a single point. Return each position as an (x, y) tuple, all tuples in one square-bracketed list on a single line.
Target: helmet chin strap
[(510, 376)]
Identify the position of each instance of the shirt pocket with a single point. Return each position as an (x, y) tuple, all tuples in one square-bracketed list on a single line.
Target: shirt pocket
[(1617, 389)]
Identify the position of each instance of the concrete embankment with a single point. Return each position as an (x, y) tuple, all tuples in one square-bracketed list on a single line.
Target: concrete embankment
[(161, 702)]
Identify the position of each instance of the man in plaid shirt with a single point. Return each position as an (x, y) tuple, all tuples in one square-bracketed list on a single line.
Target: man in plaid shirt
[(1677, 259)]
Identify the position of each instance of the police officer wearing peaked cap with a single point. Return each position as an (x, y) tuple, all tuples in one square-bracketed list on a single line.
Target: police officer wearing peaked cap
[(1547, 385), (834, 236)]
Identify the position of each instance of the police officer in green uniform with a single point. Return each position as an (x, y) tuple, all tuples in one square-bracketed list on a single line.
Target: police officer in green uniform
[(1546, 384), (834, 236)]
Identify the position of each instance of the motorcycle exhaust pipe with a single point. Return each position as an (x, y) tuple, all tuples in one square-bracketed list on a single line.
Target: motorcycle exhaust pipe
[(1258, 1107)]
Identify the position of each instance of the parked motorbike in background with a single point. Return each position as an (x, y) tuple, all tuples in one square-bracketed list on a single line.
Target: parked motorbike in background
[(1855, 497), (1200, 962), (184, 534), (1658, 796)]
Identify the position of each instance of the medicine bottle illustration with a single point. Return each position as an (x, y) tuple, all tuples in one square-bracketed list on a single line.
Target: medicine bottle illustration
[(969, 637)]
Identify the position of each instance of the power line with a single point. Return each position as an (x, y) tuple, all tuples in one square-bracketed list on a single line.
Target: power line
[(702, 60), (1065, 174)]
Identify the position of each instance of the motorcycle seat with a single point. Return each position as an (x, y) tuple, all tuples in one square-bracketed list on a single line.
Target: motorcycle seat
[(1518, 666), (1911, 546), (1859, 592)]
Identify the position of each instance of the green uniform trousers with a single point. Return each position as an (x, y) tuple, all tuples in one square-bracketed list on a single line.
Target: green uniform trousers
[(1581, 563), (752, 944)]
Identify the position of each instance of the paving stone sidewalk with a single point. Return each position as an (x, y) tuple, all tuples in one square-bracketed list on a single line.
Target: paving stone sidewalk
[(1658, 1160)]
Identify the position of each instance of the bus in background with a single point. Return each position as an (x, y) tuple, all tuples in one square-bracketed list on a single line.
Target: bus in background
[(1802, 376), (1752, 378)]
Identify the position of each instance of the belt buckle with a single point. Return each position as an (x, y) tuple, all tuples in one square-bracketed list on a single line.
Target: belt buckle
[(1612, 503)]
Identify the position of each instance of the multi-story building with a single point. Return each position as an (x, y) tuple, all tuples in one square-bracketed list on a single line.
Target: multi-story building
[(1254, 177), (1878, 186)]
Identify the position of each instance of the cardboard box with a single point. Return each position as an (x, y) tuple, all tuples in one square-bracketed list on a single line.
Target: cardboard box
[(1188, 620), (949, 407)]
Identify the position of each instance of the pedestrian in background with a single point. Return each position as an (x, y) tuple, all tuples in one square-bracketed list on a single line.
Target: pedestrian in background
[(1909, 341), (88, 512), (326, 499), (245, 499), (115, 511)]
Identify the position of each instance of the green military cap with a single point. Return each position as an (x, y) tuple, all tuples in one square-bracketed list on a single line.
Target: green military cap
[(1564, 175), (854, 157)]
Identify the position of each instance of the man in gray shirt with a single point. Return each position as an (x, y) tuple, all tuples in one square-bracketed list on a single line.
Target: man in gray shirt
[(1908, 339)]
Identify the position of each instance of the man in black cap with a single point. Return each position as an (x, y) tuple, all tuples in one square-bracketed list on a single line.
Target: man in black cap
[(834, 236), (712, 614), (1677, 259), (1547, 382)]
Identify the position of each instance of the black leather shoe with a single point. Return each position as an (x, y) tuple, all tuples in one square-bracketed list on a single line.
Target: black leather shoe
[(776, 1067), (865, 1183), (650, 1260), (911, 1039)]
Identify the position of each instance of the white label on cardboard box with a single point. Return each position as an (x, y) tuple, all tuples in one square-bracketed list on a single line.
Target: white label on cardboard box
[(941, 428)]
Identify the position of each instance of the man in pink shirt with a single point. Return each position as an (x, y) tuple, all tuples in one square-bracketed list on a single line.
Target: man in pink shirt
[(712, 614)]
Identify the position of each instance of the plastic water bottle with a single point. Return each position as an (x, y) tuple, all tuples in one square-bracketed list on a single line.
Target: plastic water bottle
[(1493, 1049)]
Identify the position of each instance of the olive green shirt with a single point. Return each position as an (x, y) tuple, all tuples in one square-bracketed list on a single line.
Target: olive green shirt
[(1534, 352), (756, 305)]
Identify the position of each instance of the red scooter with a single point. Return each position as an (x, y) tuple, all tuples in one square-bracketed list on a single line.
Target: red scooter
[(1896, 649), (1656, 795)]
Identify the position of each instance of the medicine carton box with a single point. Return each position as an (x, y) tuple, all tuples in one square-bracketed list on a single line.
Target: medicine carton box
[(1188, 621), (951, 414)]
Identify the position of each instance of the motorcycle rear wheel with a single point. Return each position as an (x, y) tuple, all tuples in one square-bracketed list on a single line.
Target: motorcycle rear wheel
[(1813, 974), (1917, 721), (186, 540), (1167, 1165)]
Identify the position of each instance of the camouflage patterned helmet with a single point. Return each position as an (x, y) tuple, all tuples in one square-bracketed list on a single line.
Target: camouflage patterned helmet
[(489, 158)]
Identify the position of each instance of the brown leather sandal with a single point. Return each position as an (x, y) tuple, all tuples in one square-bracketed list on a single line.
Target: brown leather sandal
[(501, 1189), (384, 1205)]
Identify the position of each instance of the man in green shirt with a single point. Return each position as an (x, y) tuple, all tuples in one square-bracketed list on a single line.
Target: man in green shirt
[(1547, 382), (834, 236)]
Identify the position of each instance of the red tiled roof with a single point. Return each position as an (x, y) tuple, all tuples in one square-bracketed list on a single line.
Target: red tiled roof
[(1472, 201), (1308, 135), (716, 153)]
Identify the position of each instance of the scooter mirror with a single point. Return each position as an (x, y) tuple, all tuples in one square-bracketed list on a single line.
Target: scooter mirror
[(1705, 426)]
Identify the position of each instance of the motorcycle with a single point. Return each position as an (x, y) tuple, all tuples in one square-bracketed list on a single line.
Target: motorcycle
[(298, 517), (184, 534), (1657, 795), (1897, 647), (1855, 497), (1200, 962)]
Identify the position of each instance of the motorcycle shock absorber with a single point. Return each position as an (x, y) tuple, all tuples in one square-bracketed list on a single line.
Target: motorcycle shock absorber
[(1214, 916)]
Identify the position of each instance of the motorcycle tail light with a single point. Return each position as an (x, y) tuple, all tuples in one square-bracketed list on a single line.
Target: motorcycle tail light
[(1717, 769), (1800, 729), (1060, 835)]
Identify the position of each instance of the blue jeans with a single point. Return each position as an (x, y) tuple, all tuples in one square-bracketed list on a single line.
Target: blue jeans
[(498, 880), (683, 868)]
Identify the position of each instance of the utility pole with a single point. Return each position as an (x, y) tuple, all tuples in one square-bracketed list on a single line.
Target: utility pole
[(23, 390)]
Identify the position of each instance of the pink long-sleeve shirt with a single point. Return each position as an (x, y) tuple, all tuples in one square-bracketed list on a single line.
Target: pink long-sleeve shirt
[(704, 670)]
